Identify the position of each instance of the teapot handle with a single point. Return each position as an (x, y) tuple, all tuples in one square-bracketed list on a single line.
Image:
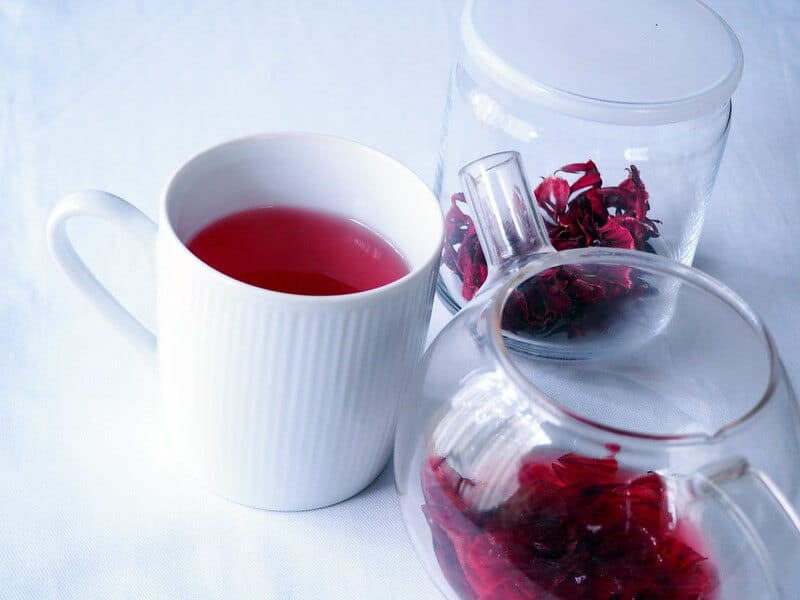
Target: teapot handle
[(735, 484)]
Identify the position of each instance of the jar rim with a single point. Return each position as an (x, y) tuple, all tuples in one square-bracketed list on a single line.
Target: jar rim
[(654, 264), (565, 80)]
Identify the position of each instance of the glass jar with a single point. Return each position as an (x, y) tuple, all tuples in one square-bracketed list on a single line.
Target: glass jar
[(631, 86)]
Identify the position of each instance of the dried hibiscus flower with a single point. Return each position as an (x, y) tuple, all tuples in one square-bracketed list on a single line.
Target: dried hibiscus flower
[(572, 299), (578, 215), (577, 528), (586, 220)]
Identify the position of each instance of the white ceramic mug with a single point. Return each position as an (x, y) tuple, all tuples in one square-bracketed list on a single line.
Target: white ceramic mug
[(275, 400)]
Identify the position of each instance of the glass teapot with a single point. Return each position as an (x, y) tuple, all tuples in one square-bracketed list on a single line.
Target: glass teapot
[(597, 423)]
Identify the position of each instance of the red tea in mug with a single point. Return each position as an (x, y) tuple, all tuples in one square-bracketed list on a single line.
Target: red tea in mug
[(298, 251)]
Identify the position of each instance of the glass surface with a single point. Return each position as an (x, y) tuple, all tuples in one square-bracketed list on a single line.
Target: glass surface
[(640, 67), (705, 386), (597, 423)]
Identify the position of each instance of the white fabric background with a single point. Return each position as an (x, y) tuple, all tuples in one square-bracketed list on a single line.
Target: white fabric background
[(115, 95)]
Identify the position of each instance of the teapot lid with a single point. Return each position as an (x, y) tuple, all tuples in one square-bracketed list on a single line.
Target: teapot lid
[(622, 61)]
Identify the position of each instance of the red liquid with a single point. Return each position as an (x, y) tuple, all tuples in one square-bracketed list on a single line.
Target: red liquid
[(577, 528), (298, 251)]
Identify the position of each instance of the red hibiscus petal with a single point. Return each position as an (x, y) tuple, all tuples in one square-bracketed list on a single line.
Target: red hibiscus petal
[(488, 558), (573, 468), (614, 235), (586, 167), (457, 224), (639, 204), (590, 178), (552, 195), (472, 265), (577, 216), (598, 205), (447, 558), (577, 527), (567, 237), (515, 312)]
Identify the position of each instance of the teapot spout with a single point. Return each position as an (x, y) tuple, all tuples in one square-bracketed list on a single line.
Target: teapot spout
[(509, 226)]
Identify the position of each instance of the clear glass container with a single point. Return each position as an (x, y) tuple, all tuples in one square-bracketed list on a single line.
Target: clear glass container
[(628, 433), (622, 84)]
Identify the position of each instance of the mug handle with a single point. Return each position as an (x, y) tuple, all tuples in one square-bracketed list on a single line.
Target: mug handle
[(734, 483), (95, 203)]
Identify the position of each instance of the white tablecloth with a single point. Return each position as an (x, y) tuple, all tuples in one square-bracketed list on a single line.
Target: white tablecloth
[(115, 95)]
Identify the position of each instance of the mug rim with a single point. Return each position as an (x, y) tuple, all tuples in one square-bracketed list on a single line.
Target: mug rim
[(432, 258), (653, 263)]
